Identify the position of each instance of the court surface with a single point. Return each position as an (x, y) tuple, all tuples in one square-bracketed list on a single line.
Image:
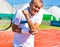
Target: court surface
[(44, 38)]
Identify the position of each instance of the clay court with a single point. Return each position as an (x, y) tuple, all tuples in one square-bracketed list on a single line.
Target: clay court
[(44, 38)]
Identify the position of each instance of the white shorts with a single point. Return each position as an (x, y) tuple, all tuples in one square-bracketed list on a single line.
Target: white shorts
[(23, 40)]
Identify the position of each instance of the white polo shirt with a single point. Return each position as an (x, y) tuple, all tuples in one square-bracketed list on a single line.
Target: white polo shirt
[(25, 40), (19, 17)]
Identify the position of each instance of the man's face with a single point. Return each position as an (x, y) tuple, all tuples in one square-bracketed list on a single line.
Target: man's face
[(35, 7)]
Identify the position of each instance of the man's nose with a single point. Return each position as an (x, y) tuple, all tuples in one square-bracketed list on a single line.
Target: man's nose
[(36, 9)]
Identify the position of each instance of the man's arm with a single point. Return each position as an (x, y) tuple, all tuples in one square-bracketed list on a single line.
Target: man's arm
[(33, 27), (15, 28)]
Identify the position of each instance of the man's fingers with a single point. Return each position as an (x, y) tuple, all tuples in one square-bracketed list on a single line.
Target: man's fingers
[(25, 12)]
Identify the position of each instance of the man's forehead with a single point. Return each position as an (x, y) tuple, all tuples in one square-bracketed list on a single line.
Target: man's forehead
[(37, 0)]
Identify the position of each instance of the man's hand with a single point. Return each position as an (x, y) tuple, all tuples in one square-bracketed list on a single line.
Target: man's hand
[(33, 27), (25, 12), (33, 32), (15, 28)]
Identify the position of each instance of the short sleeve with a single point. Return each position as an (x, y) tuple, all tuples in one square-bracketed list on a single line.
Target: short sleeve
[(39, 19), (39, 16), (17, 18)]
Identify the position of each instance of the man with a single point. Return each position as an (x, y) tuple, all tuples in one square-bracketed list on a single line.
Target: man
[(33, 10), (26, 22)]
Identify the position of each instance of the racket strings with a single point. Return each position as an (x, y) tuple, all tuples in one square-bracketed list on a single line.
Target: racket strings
[(5, 23)]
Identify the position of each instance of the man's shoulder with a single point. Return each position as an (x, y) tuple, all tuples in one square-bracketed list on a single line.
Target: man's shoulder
[(44, 11), (25, 6), (41, 12), (20, 10)]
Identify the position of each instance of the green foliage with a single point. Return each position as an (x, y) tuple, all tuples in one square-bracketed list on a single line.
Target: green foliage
[(48, 27)]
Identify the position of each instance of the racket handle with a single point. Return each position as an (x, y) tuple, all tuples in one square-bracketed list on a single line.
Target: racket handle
[(23, 21)]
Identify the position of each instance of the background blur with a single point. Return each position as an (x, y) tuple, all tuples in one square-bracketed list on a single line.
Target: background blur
[(52, 18)]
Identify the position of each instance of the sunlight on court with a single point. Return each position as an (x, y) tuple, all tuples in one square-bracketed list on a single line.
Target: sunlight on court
[(44, 38)]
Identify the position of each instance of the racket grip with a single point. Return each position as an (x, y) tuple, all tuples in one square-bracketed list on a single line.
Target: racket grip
[(23, 21)]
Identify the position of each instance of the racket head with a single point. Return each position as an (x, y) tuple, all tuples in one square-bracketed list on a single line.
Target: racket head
[(5, 23)]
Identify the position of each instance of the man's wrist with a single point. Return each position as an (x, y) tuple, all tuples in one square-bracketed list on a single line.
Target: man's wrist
[(33, 32)]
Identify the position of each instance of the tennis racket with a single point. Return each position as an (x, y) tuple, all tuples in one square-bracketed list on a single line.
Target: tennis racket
[(5, 23)]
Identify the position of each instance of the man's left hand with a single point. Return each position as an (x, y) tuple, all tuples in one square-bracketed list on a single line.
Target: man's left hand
[(25, 12)]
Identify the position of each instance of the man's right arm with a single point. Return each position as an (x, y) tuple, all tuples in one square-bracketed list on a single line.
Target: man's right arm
[(15, 28)]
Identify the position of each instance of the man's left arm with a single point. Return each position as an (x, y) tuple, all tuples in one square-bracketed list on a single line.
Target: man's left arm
[(33, 26)]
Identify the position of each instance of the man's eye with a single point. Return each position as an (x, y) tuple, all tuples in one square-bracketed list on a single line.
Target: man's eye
[(35, 6)]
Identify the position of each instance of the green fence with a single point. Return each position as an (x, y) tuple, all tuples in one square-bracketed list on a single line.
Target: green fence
[(49, 17), (7, 15), (46, 17)]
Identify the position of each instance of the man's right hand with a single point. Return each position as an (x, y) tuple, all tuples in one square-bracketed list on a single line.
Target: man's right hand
[(15, 28)]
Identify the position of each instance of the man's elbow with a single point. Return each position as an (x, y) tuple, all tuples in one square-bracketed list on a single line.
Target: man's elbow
[(15, 28)]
